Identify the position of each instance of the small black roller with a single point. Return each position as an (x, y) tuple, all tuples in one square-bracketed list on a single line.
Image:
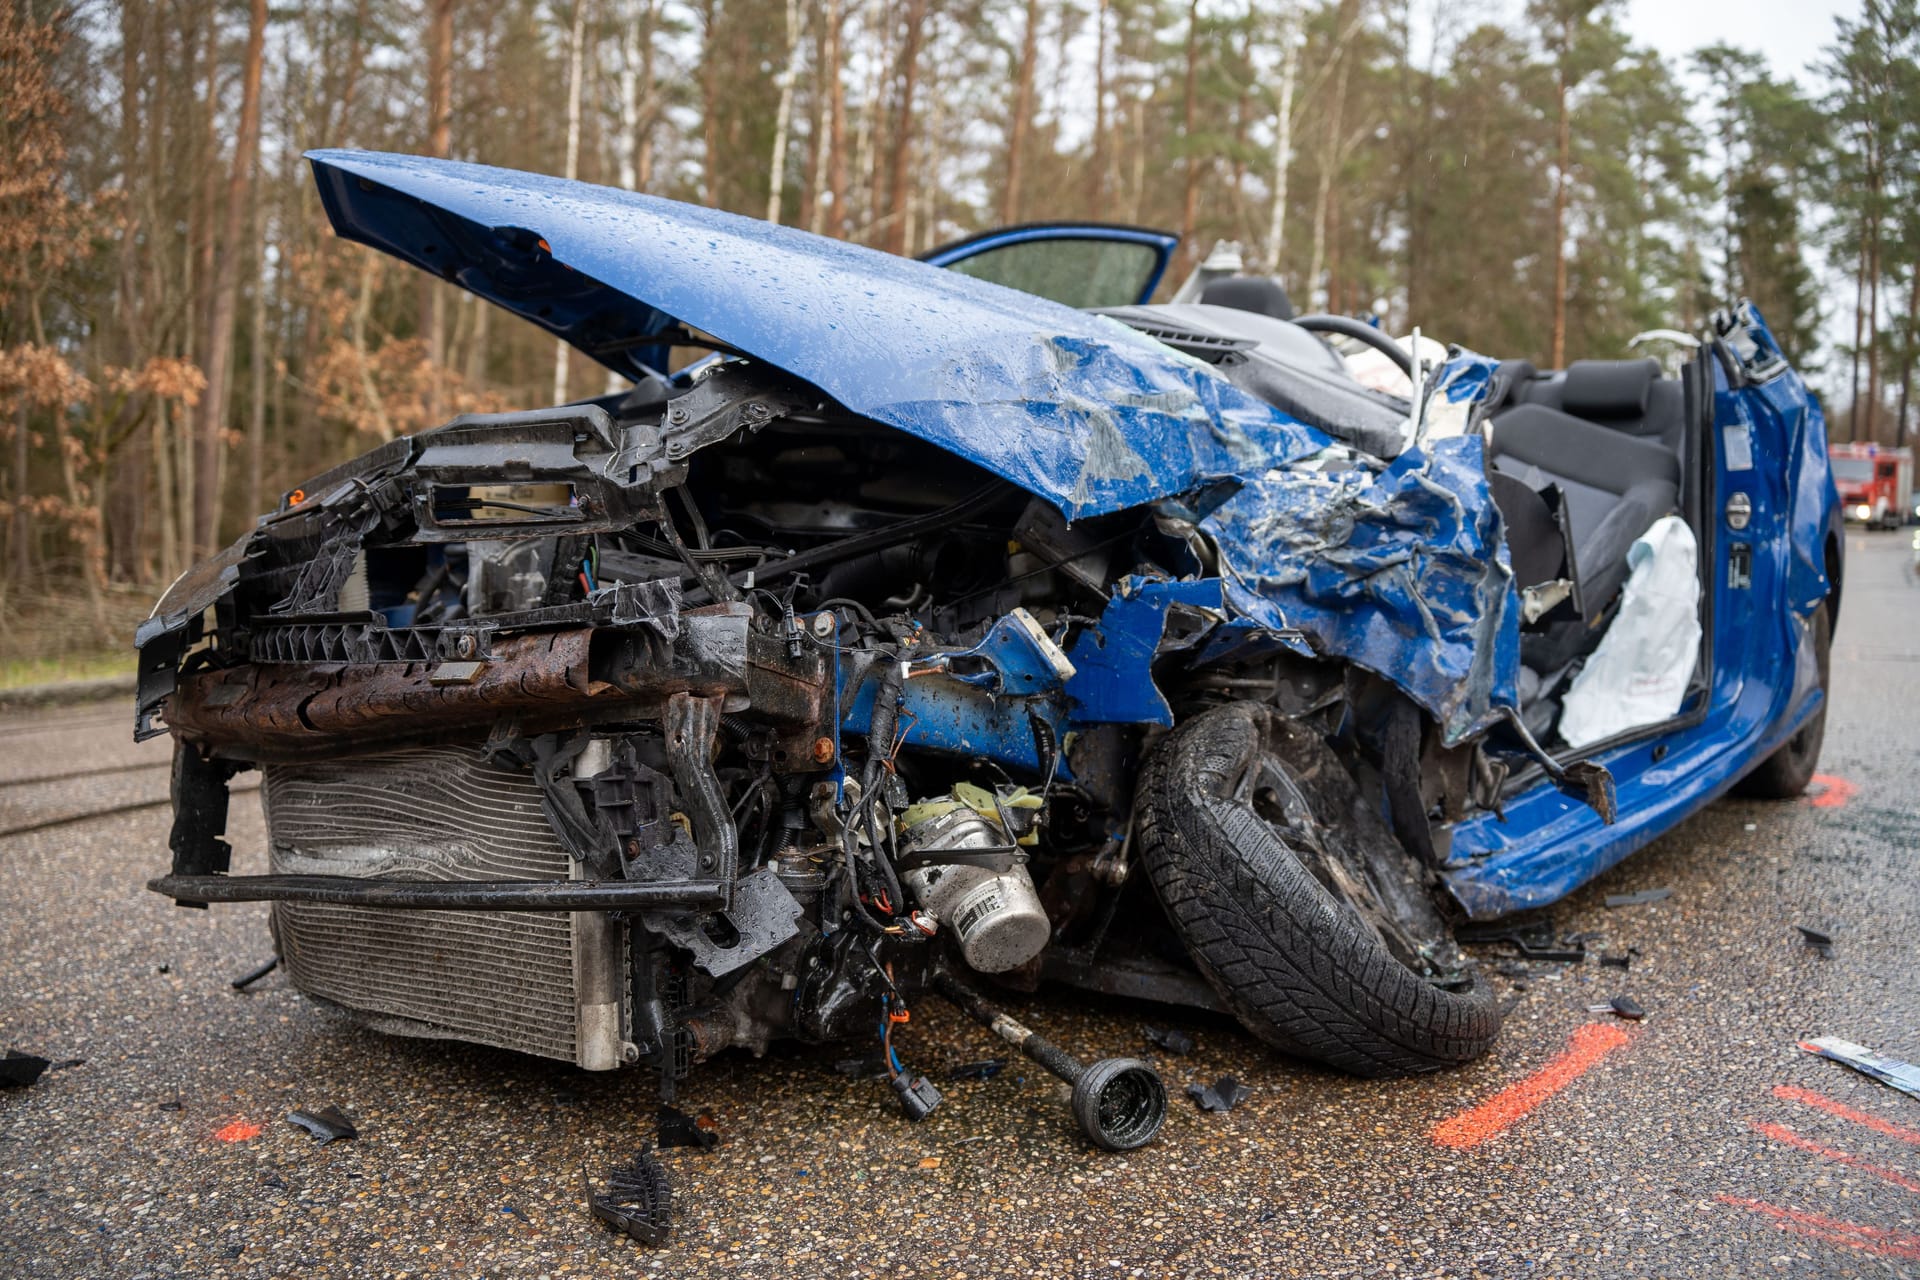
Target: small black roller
[(1120, 1103)]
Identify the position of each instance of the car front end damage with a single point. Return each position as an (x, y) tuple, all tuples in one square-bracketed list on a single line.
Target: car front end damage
[(583, 737), (952, 635)]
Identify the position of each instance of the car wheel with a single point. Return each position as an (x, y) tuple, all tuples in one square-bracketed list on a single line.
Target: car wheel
[(1277, 875), (1786, 773)]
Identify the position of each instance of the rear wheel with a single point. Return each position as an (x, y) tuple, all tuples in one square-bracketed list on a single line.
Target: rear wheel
[(1298, 904), (1786, 773)]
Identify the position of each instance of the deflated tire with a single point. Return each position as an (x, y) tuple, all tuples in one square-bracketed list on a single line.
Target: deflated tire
[(1298, 904)]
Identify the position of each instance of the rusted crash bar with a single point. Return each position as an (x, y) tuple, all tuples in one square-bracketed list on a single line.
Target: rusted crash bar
[(454, 895)]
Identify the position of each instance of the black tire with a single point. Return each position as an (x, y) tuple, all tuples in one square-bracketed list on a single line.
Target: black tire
[(1295, 961), (1786, 773)]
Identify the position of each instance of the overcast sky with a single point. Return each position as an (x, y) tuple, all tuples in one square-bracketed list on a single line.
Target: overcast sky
[(1791, 33)]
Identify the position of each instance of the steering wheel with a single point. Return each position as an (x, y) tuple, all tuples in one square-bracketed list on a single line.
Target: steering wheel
[(1348, 327)]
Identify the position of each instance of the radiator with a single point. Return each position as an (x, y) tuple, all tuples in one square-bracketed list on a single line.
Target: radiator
[(547, 983)]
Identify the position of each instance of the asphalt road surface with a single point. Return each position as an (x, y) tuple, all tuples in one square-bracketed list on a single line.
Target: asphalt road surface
[(1700, 1142)]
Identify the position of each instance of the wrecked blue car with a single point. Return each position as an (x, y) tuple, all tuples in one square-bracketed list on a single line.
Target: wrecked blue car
[(917, 626)]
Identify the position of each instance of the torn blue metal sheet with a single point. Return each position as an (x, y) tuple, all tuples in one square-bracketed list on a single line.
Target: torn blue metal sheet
[(1113, 663), (1464, 378), (1016, 657), (981, 701), (1076, 408), (1402, 571)]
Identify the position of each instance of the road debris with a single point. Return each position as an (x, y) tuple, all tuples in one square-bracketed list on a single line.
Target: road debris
[(1622, 960), (1904, 1076), (638, 1199), (1620, 1006), (1820, 942), (983, 1070), (1173, 1040), (326, 1124), (252, 976), (678, 1129), (1639, 898), (1531, 939), (18, 1070), (1224, 1094)]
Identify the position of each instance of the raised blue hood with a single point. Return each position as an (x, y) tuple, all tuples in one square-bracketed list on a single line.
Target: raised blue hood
[(1073, 407)]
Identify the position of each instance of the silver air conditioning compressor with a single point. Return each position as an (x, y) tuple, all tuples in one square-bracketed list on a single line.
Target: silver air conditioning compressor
[(961, 860)]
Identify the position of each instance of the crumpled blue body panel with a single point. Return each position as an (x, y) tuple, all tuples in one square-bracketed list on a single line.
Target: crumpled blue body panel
[(1404, 572)]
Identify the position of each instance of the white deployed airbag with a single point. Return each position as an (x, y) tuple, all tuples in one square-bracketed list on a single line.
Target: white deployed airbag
[(1639, 674)]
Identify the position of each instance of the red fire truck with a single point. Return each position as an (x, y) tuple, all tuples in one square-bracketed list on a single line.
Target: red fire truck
[(1875, 483)]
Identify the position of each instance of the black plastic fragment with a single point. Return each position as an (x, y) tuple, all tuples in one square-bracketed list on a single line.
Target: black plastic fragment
[(18, 1070), (1531, 939), (1173, 1040), (1820, 942), (1224, 1094), (252, 976), (1638, 899), (638, 1200), (678, 1129), (1620, 1006), (986, 1069), (1612, 961), (325, 1124), (174, 1105)]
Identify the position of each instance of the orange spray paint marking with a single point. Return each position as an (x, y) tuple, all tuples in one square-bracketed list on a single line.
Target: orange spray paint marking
[(1854, 1235), (1834, 792), (1823, 1103), (1780, 1133), (238, 1131), (1585, 1047)]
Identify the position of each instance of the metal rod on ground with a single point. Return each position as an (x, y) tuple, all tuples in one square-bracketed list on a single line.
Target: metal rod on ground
[(1120, 1103)]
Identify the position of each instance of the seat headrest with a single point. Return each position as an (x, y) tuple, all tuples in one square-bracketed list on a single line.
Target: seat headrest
[(1261, 295), (1609, 388)]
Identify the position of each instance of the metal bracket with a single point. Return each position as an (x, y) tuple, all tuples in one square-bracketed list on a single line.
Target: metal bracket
[(691, 723), (763, 914)]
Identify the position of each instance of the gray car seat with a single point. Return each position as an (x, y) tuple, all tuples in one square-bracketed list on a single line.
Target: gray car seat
[(1615, 485)]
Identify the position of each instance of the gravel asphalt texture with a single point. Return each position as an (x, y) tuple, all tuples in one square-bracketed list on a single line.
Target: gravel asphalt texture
[(469, 1160)]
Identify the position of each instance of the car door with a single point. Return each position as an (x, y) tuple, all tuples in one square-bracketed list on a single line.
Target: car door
[(1078, 264), (1777, 518)]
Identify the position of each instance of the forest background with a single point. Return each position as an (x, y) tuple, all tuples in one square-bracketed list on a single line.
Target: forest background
[(182, 338)]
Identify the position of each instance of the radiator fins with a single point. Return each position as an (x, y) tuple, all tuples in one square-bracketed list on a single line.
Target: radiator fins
[(545, 983)]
